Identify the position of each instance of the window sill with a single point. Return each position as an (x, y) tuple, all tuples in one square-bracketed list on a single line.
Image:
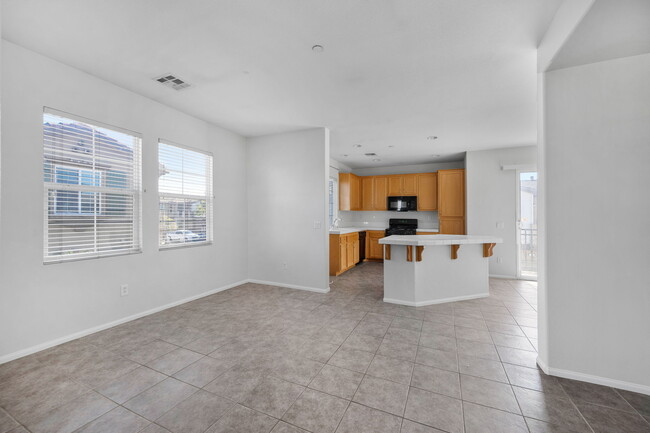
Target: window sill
[(170, 247), (79, 259)]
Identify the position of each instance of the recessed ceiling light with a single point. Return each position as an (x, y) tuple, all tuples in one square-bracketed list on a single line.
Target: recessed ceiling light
[(391, 146), (357, 146), (436, 156), (370, 154), (317, 48), (345, 155), (432, 137), (376, 160)]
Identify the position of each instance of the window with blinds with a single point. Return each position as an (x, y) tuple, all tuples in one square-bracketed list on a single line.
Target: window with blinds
[(185, 196), (92, 188)]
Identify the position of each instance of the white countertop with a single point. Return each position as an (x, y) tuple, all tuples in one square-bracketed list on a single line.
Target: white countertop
[(423, 240), (346, 230)]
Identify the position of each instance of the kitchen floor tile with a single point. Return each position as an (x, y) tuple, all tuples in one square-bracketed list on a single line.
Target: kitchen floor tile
[(606, 420), (156, 401), (396, 370), (241, 419), (434, 410), (550, 408), (273, 396), (117, 420), (131, 384), (382, 394), (73, 415), (481, 419), (489, 393), (195, 414), (174, 361), (492, 370), (352, 359), (337, 381), (362, 419), (437, 358), (436, 380), (316, 411)]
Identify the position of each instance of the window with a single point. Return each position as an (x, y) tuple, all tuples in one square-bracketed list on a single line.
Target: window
[(333, 200), (92, 188), (185, 196)]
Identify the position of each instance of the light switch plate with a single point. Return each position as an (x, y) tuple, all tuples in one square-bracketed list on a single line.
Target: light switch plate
[(317, 225)]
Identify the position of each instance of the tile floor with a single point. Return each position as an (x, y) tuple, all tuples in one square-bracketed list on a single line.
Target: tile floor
[(268, 359)]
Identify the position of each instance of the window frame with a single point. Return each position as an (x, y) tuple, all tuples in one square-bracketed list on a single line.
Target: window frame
[(209, 200), (134, 191)]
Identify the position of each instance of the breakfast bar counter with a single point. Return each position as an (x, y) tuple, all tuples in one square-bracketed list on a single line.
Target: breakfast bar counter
[(431, 269)]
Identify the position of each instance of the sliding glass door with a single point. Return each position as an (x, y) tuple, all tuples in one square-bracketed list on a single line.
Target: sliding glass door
[(527, 225)]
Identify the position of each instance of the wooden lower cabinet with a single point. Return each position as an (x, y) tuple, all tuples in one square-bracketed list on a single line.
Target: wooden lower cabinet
[(374, 250), (428, 233), (344, 252)]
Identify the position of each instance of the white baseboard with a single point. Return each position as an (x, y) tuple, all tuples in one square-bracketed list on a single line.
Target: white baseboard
[(504, 277), (290, 286), (74, 336), (605, 381), (437, 301)]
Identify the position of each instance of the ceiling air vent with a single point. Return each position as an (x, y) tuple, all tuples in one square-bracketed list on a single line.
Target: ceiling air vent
[(172, 81), (370, 154)]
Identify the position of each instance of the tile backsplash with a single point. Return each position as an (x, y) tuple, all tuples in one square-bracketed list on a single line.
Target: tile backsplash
[(379, 219)]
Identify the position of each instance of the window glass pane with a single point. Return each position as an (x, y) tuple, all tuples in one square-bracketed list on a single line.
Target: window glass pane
[(184, 185), (92, 179)]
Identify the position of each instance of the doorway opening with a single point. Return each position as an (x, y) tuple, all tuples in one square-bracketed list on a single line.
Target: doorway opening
[(527, 225)]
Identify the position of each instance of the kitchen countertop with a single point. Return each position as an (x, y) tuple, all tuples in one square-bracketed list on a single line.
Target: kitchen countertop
[(425, 240), (346, 230)]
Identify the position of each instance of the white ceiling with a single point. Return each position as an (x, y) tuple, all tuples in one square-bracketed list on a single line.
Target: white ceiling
[(393, 71), (611, 29)]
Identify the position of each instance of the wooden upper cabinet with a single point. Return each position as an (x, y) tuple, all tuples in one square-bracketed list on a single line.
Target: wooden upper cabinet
[(349, 192), (394, 185), (402, 184), (427, 191), (380, 193), (409, 184), (451, 193), (367, 192)]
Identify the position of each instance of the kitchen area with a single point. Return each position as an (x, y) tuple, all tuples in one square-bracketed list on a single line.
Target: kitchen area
[(373, 207), (402, 215)]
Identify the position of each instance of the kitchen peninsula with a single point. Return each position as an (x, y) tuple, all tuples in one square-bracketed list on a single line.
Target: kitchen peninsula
[(431, 269)]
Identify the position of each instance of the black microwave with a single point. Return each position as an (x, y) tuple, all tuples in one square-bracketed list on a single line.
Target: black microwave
[(402, 203)]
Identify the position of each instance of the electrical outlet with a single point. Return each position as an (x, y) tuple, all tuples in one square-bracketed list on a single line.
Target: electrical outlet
[(317, 225), (498, 259), (500, 224), (284, 266), (124, 290)]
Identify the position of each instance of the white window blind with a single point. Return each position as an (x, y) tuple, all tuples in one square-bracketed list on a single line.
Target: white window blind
[(185, 195), (92, 188)]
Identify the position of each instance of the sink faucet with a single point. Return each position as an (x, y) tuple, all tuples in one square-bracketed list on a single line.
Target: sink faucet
[(335, 223)]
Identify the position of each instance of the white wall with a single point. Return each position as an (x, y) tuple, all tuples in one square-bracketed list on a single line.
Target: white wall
[(597, 155), (40, 303), (492, 198), (287, 193)]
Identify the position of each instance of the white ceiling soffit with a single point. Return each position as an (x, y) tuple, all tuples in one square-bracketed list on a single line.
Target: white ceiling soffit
[(392, 73), (611, 29)]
